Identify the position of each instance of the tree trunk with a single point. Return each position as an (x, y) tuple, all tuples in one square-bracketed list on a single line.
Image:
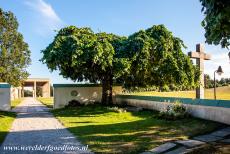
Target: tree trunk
[(107, 86)]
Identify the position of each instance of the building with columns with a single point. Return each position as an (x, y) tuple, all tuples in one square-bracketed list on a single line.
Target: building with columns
[(34, 83)]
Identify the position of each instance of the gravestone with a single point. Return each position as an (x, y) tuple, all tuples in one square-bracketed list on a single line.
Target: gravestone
[(5, 96), (200, 57)]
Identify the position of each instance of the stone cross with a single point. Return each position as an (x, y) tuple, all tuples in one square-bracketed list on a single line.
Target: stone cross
[(200, 57)]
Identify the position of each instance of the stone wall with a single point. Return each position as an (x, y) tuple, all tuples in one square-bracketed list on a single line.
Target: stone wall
[(84, 93), (218, 114), (5, 96)]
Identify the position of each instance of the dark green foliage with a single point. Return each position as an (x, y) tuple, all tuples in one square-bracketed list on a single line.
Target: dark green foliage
[(80, 54), (217, 21), (148, 58), (14, 52), (209, 83), (157, 59)]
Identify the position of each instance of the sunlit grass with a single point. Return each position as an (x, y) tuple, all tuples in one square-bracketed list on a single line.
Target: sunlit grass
[(107, 131), (46, 101), (6, 119), (16, 102), (223, 93)]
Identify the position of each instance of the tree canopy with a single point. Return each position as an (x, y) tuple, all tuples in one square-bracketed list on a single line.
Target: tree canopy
[(14, 52), (148, 57), (217, 22), (80, 54), (157, 59)]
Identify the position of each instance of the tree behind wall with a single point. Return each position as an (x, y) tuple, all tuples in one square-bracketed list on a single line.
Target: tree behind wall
[(150, 57), (14, 52), (80, 54)]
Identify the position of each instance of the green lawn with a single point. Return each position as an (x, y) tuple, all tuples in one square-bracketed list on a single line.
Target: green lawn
[(107, 131), (223, 93), (16, 102), (46, 101), (6, 119)]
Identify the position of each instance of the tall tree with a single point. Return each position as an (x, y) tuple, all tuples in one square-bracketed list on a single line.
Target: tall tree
[(14, 52), (157, 59), (80, 54), (217, 21), (151, 57)]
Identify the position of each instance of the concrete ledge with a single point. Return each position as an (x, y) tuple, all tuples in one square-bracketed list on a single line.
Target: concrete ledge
[(218, 114), (5, 85), (203, 102)]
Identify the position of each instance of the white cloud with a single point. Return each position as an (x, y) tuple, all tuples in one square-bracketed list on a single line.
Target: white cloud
[(45, 18)]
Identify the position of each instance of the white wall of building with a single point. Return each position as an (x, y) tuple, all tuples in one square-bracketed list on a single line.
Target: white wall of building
[(5, 97)]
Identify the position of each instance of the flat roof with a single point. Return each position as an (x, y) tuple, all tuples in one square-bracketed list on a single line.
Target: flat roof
[(37, 79)]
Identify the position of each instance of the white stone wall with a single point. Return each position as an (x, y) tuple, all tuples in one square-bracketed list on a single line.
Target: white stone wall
[(218, 114), (62, 95), (5, 97), (14, 93)]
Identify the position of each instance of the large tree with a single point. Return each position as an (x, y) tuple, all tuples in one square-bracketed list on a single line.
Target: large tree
[(217, 22), (151, 57), (80, 54), (157, 59), (14, 52)]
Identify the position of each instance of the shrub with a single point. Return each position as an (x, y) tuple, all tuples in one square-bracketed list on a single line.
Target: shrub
[(165, 88), (116, 109), (74, 103), (174, 112)]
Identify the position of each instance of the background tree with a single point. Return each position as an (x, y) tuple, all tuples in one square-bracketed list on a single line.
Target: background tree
[(14, 52), (157, 59), (80, 54), (217, 21)]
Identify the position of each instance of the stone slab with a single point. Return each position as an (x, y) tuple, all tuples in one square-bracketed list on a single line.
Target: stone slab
[(177, 151), (221, 133), (208, 138), (190, 143), (163, 148), (225, 141), (146, 152)]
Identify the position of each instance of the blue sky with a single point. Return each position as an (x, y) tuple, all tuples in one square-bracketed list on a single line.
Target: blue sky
[(38, 20)]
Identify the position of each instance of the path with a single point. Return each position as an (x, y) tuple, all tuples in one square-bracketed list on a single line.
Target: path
[(35, 130)]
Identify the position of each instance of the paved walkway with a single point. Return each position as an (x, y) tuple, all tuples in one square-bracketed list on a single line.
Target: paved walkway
[(35, 130)]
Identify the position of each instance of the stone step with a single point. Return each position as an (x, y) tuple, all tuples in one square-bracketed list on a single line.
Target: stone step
[(190, 143), (163, 148)]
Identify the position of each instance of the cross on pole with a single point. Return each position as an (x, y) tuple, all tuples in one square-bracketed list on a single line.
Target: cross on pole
[(200, 57)]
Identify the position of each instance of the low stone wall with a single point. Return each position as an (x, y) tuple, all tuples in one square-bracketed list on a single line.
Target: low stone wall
[(5, 96), (218, 114), (84, 93)]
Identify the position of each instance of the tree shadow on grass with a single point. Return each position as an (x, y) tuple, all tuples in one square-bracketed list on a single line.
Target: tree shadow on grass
[(7, 114), (128, 136)]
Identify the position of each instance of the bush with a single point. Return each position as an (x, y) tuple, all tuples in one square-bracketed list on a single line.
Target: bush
[(165, 88), (116, 109), (174, 112), (74, 103)]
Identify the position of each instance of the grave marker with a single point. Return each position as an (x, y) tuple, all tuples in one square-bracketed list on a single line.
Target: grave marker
[(200, 57)]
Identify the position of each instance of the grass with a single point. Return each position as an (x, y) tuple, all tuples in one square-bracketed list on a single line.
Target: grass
[(46, 101), (108, 131), (6, 120), (16, 102), (223, 93)]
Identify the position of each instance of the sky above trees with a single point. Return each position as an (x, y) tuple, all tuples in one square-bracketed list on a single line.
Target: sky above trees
[(38, 20)]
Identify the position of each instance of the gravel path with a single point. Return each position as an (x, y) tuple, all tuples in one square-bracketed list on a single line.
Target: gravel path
[(36, 131)]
